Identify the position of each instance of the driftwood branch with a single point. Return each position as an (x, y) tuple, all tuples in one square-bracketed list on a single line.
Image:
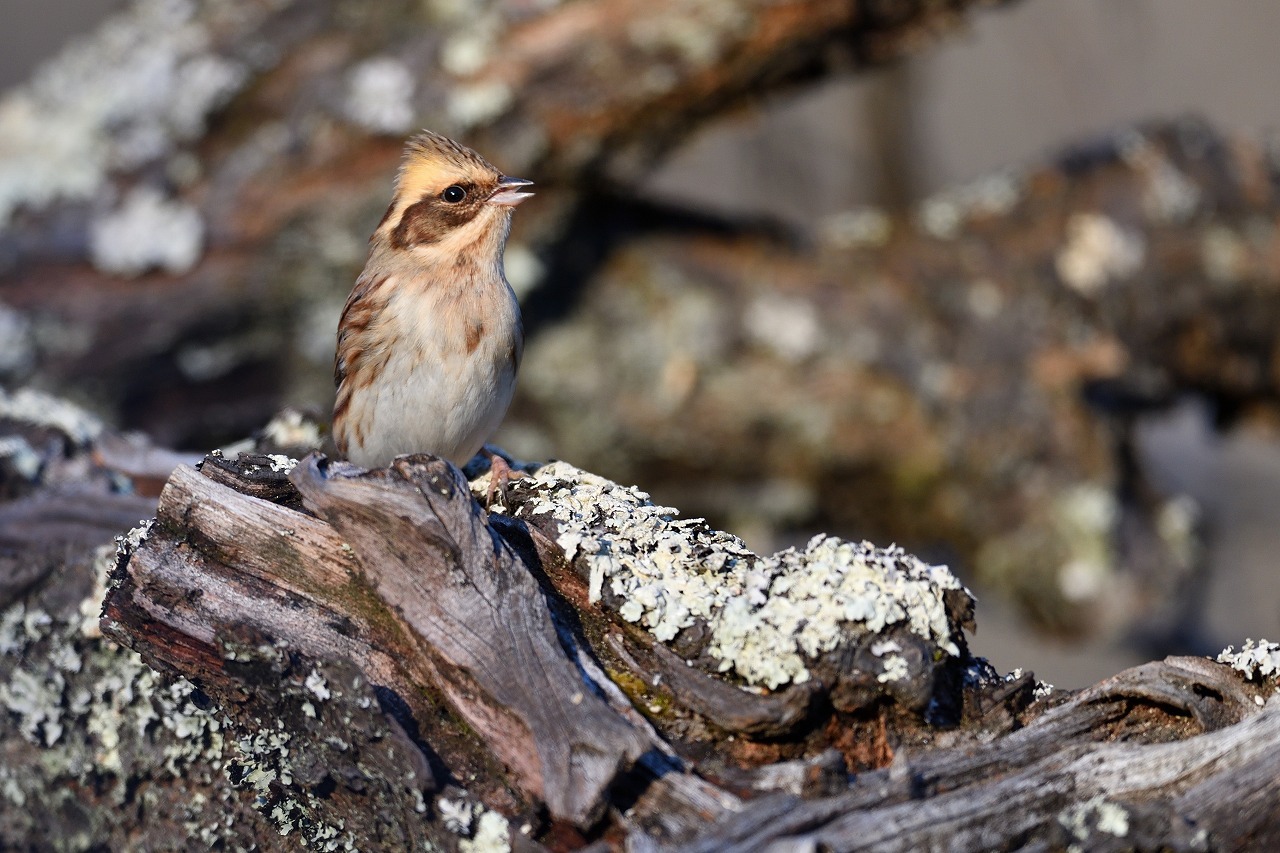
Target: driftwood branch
[(527, 679), (372, 659), (1055, 782)]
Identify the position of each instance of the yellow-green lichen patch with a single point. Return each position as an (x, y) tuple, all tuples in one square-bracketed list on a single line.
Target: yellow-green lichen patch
[(767, 617)]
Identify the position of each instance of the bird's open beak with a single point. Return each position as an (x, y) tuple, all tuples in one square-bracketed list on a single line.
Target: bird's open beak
[(508, 193)]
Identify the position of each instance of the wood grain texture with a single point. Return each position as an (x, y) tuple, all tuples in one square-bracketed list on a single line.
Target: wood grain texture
[(1025, 786), (471, 603)]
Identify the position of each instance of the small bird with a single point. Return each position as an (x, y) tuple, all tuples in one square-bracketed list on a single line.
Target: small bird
[(430, 338)]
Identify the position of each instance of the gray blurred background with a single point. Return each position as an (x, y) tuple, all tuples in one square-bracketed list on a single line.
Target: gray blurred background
[(1021, 83)]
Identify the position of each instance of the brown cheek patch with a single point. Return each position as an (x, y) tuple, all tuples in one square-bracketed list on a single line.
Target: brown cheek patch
[(429, 220)]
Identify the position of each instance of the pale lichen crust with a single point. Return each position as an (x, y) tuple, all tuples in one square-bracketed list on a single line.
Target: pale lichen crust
[(380, 95), (147, 230), (38, 409), (1092, 818), (480, 830), (100, 719), (290, 428), (767, 616), (121, 96), (1257, 659)]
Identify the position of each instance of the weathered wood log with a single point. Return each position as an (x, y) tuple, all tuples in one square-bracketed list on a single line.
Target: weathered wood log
[(365, 676), (475, 609), (517, 627), (1053, 785)]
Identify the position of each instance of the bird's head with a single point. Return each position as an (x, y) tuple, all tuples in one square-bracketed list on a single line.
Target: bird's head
[(449, 201)]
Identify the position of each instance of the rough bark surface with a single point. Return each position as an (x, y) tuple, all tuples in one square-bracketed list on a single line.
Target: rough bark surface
[(370, 660)]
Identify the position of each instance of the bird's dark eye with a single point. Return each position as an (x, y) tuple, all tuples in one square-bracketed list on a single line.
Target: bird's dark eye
[(453, 194)]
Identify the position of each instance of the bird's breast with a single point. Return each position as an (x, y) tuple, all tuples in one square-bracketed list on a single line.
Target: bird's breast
[(454, 327), (448, 373)]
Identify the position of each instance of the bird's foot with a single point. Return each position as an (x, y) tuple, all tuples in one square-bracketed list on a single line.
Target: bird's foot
[(500, 476)]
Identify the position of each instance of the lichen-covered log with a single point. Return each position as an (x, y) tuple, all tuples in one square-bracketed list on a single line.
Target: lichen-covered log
[(858, 653), (1057, 784), (96, 749), (405, 577), (332, 654), (836, 624)]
